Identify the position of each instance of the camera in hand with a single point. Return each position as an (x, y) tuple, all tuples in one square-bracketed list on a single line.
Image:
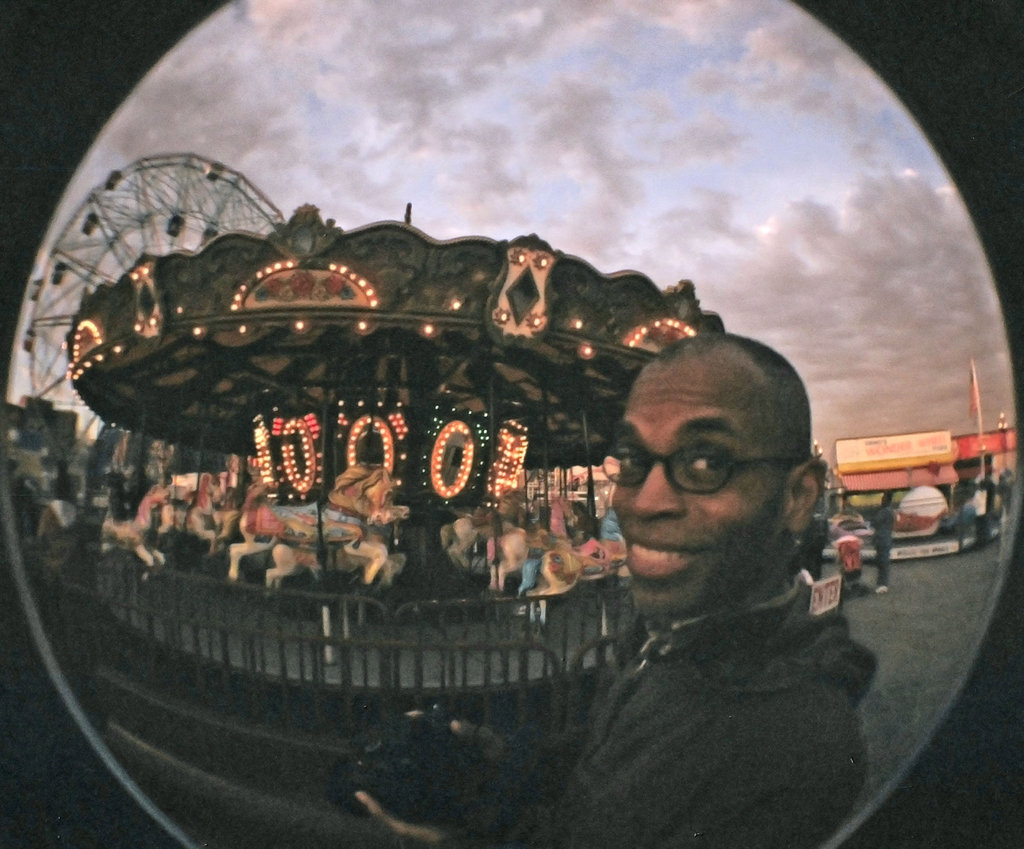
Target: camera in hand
[(416, 767)]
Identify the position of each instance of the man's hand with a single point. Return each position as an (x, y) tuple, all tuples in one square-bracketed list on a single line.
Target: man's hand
[(491, 746), (429, 835)]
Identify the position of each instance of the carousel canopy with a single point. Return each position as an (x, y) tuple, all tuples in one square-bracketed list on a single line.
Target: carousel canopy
[(193, 347)]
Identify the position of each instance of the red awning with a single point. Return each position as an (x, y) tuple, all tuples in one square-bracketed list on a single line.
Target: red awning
[(900, 479)]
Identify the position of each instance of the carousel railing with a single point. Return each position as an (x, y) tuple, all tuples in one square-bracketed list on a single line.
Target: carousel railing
[(308, 661)]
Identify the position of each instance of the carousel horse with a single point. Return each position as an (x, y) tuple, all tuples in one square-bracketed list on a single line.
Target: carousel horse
[(227, 516), (256, 523), (200, 518), (514, 544), (132, 533), (458, 537), (359, 510), (353, 523), (560, 569), (522, 551)]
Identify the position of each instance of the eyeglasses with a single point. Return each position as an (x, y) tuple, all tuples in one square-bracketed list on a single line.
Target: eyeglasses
[(699, 470)]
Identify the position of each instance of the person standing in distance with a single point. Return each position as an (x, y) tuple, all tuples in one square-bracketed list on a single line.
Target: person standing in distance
[(883, 523)]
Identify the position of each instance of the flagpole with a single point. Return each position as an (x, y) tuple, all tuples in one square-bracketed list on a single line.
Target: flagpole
[(976, 407)]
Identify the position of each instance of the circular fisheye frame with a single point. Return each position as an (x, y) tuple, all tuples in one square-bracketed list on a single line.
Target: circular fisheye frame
[(183, 694)]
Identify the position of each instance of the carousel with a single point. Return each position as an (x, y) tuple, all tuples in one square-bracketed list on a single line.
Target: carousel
[(336, 494), (390, 394)]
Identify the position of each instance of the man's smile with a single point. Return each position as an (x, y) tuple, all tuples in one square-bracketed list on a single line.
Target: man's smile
[(657, 562)]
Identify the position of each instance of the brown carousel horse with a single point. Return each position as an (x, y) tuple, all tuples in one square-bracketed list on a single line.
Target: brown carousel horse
[(201, 516), (360, 508)]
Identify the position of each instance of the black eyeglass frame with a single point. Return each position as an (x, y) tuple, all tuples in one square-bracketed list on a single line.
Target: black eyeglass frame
[(650, 459)]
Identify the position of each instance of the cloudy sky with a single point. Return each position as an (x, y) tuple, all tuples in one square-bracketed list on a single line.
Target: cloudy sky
[(736, 143)]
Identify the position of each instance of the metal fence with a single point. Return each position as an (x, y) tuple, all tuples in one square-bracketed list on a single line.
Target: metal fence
[(337, 664)]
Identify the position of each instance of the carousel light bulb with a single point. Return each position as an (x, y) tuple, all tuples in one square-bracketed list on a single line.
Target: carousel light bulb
[(243, 329), (179, 310), (300, 326)]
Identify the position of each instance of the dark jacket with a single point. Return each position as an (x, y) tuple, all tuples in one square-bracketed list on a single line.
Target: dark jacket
[(733, 734)]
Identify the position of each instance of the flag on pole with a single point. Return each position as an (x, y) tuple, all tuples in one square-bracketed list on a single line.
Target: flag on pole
[(975, 408)]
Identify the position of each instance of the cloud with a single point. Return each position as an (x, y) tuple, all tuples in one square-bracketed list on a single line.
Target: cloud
[(791, 63), (735, 143), (702, 21), (880, 302)]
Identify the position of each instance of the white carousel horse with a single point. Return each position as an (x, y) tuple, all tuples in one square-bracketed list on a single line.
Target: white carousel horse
[(458, 537), (131, 533)]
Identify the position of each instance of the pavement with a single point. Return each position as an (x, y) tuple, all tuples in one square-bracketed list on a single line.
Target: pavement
[(925, 633)]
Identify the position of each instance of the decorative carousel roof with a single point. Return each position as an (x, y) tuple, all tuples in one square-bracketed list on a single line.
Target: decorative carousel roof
[(191, 347)]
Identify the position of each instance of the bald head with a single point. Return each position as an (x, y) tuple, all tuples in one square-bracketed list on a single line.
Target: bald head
[(774, 387)]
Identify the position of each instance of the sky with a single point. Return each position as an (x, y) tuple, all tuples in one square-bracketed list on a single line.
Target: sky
[(735, 143)]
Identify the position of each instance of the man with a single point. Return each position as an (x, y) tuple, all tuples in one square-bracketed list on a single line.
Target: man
[(883, 523), (732, 721)]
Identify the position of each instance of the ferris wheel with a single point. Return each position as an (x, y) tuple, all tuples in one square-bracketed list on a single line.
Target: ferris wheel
[(156, 205)]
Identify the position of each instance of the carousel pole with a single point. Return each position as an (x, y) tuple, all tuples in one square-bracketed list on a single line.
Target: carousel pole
[(137, 489), (492, 426), (199, 456), (327, 437), (591, 497), (545, 510)]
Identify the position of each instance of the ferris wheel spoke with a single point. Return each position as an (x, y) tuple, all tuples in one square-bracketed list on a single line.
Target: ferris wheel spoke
[(154, 206)]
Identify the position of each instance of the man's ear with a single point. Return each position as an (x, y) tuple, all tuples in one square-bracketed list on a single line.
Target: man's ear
[(804, 487)]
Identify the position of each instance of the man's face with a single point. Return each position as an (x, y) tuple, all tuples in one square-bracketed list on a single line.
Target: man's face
[(696, 553)]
